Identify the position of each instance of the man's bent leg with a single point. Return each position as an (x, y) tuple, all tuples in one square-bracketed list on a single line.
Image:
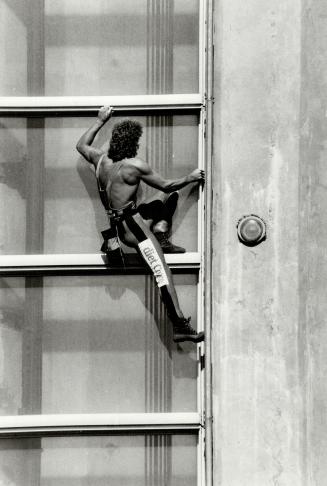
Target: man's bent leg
[(152, 254), (161, 214), (162, 228)]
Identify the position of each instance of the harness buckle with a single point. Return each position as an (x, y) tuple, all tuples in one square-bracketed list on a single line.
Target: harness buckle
[(118, 215)]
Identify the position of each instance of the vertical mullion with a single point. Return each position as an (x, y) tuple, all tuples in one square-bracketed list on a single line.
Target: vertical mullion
[(202, 44), (32, 368), (35, 129), (200, 317), (32, 347), (32, 334), (35, 185), (207, 77), (149, 47), (201, 241), (35, 48), (170, 45), (157, 45)]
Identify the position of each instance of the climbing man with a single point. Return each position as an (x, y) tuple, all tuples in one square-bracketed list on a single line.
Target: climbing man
[(143, 227)]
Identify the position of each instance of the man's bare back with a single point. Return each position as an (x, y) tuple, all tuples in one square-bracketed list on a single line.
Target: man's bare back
[(121, 180)]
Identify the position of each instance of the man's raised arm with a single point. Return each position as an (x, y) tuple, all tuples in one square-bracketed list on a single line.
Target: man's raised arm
[(84, 145), (153, 179)]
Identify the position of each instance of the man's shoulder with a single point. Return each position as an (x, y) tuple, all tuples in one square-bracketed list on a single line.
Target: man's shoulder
[(138, 164)]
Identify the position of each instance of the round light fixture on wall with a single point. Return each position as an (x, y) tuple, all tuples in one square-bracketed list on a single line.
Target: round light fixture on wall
[(251, 230)]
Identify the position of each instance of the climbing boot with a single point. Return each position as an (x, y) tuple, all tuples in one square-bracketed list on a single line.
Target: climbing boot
[(166, 245), (170, 204), (183, 331)]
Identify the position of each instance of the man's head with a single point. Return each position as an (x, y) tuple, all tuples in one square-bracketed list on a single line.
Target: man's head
[(124, 141)]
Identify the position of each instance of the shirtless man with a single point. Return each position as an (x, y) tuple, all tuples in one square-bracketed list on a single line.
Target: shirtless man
[(119, 173)]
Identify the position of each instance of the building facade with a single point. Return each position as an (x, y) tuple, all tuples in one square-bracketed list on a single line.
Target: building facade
[(92, 388)]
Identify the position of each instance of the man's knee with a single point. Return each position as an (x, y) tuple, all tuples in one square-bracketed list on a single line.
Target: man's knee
[(152, 211)]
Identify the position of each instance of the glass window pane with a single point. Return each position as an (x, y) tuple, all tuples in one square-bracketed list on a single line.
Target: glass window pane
[(161, 460), (73, 47), (48, 194), (93, 344)]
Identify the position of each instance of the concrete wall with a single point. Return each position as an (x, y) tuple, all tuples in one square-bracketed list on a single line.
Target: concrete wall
[(269, 332)]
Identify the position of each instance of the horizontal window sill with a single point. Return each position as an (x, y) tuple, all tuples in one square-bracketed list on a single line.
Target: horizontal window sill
[(68, 264), (59, 424), (63, 104)]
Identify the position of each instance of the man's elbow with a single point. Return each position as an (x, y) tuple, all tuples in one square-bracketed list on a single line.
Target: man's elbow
[(168, 187), (165, 188), (80, 147)]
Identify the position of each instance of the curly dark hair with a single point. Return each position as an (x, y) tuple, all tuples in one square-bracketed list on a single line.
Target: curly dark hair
[(124, 140)]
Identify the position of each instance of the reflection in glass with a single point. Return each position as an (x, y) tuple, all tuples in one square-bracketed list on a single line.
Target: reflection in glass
[(73, 47), (93, 344), (161, 460), (48, 194)]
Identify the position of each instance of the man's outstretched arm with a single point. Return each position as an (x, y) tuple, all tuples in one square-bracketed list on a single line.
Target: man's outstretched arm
[(84, 145), (153, 179)]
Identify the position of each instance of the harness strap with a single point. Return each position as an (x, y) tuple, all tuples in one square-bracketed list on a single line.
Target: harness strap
[(123, 211), (102, 192), (97, 171)]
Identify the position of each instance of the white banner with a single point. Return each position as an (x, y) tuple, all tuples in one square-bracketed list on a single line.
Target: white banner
[(151, 256)]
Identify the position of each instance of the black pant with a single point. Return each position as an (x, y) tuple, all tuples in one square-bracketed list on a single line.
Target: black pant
[(158, 210)]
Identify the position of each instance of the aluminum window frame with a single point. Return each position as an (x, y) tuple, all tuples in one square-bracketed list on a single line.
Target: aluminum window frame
[(87, 104), (53, 264), (63, 424)]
